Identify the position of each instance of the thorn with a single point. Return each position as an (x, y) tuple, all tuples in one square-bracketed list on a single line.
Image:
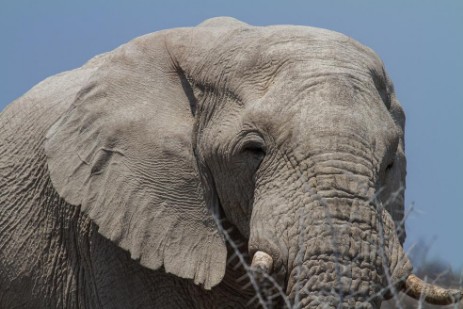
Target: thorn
[(255, 298), (245, 276)]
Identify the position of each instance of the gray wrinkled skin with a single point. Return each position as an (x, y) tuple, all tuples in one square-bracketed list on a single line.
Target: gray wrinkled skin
[(111, 173)]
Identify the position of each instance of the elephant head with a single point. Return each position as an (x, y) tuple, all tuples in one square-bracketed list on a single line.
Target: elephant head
[(293, 135)]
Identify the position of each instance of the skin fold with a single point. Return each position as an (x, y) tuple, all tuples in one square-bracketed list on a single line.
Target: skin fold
[(150, 176)]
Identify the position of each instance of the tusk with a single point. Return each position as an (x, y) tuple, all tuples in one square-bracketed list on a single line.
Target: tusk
[(262, 261), (415, 287)]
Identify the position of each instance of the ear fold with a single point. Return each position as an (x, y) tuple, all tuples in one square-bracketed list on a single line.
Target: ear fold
[(123, 152), (393, 194)]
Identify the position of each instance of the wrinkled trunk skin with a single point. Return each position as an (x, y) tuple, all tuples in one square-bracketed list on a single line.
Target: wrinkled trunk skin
[(341, 263), (345, 258), (347, 251)]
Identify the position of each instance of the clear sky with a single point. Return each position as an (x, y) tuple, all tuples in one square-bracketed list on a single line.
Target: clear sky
[(421, 43)]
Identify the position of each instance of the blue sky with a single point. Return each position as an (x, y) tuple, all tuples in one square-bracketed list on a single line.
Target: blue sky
[(421, 43)]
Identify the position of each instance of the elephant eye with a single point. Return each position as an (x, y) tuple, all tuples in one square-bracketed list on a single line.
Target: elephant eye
[(391, 156), (388, 169), (389, 166), (251, 149), (253, 152), (256, 151)]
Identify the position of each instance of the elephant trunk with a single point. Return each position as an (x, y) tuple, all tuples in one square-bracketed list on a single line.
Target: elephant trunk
[(348, 255), (329, 237), (347, 258), (347, 252)]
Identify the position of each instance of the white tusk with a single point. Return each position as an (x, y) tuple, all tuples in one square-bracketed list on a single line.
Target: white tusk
[(415, 287), (262, 261)]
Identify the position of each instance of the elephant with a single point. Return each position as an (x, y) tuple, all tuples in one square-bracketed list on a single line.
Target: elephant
[(218, 166)]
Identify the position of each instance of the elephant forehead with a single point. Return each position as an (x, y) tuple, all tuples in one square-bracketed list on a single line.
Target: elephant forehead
[(326, 114), (326, 99)]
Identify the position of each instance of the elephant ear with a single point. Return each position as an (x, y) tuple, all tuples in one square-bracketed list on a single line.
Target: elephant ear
[(123, 153)]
